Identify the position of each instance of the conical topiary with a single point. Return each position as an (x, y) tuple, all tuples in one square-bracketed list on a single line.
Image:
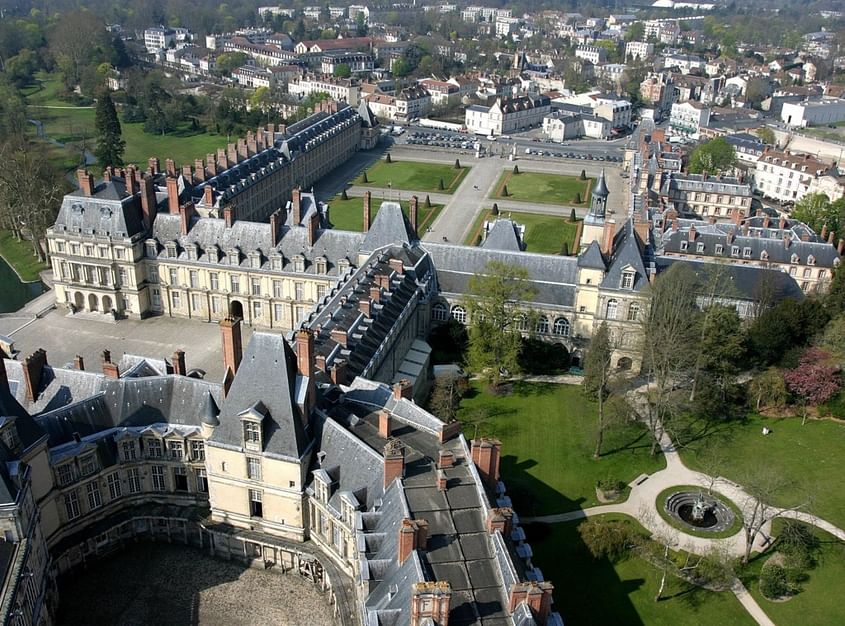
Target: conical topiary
[(564, 250), (516, 169), (441, 187), (387, 158), (457, 164), (583, 175), (427, 201), (365, 179), (495, 210), (343, 195), (578, 198), (505, 191), (572, 216)]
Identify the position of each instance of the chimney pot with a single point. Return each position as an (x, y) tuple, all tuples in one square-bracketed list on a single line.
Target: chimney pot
[(172, 195), (86, 181), (230, 331), (179, 367)]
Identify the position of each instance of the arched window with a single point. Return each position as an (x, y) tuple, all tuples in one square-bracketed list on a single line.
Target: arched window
[(543, 325), (764, 256), (634, 311), (521, 322), (561, 327), (612, 309), (439, 313), (459, 314)]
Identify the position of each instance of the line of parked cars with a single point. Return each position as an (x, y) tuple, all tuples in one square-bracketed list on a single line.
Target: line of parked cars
[(442, 140), (573, 155)]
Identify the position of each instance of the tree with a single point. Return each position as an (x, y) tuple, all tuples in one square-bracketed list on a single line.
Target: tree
[(714, 157), (817, 211), (768, 389), (635, 32), (815, 381), (578, 198), (446, 394), (495, 210), (387, 159), (110, 143), (668, 327), (564, 249), (342, 70), (766, 134), (505, 193), (427, 199), (611, 539), (229, 61), (572, 217), (364, 178), (441, 186), (720, 346), (493, 302), (797, 323), (457, 164), (74, 41), (583, 175), (516, 170), (344, 195), (597, 370)]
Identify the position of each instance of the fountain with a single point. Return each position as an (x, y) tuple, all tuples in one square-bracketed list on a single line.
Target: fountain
[(699, 511)]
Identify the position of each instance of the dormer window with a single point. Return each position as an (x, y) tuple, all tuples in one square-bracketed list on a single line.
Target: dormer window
[(252, 434), (734, 250), (321, 264), (298, 263), (152, 249), (10, 436), (684, 245), (321, 486), (628, 279), (255, 259), (213, 253), (170, 247), (191, 251), (276, 261), (764, 256), (343, 265), (88, 465), (811, 260), (699, 247), (793, 258), (746, 253), (719, 248), (251, 420), (234, 257)]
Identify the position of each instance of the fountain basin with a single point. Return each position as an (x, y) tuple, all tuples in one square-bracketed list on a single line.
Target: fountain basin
[(699, 511)]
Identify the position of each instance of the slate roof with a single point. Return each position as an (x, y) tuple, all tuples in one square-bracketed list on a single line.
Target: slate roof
[(600, 188), (553, 277), (390, 227), (592, 258), (503, 235), (109, 212), (629, 253), (267, 375)]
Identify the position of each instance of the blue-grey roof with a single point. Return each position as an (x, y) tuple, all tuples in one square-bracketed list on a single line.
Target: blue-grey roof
[(108, 212), (390, 227), (592, 257), (503, 235), (600, 188), (629, 254)]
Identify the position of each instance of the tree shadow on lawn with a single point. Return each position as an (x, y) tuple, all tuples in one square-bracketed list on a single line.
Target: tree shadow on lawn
[(697, 433), (527, 492), (637, 440), (587, 590)]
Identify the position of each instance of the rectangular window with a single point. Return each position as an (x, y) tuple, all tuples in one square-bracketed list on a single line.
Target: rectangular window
[(197, 451), (734, 250), (277, 312), (65, 474), (88, 465), (176, 300), (299, 291), (134, 480), (719, 248), (215, 281), (124, 277), (154, 449), (277, 289), (253, 468), (195, 279), (176, 449), (807, 272), (256, 508), (195, 302), (72, 505), (321, 292), (156, 299), (256, 286), (118, 253), (113, 482), (180, 478), (236, 284), (95, 500), (215, 304), (174, 276), (157, 473), (202, 481), (746, 253), (127, 450), (256, 309)]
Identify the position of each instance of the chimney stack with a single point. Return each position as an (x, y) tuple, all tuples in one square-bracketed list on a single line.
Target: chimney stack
[(274, 228), (130, 181), (179, 367), (148, 201), (232, 154), (367, 215), (78, 363), (199, 170), (186, 212), (430, 602), (537, 595), (840, 247), (229, 216), (208, 195), (211, 165), (608, 234), (485, 454), (313, 226), (223, 159), (782, 222), (403, 389), (500, 519), (154, 164), (188, 174), (296, 206), (375, 293), (86, 182), (172, 195), (407, 540), (109, 369), (33, 368), (338, 372), (692, 233), (230, 330), (365, 306), (305, 362), (394, 461), (412, 212), (170, 167), (384, 424), (830, 237)]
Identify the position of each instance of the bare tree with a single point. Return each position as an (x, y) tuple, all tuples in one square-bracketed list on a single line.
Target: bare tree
[(597, 373)]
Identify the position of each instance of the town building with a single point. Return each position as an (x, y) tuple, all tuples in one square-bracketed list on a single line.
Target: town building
[(639, 50), (704, 195), (572, 122), (593, 54), (689, 117), (787, 177), (507, 115), (341, 89), (813, 112)]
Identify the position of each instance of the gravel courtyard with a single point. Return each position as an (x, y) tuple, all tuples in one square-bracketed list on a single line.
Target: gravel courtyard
[(165, 584)]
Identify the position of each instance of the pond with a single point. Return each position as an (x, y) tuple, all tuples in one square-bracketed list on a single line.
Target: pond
[(14, 293)]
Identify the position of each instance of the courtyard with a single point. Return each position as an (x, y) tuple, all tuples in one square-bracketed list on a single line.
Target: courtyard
[(544, 234), (349, 214), (417, 176), (152, 583), (544, 188)]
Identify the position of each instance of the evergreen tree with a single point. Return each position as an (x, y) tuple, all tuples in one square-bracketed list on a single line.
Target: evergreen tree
[(364, 178), (516, 169), (572, 216), (441, 186), (578, 198), (597, 370), (583, 175), (505, 193), (427, 201), (564, 250), (387, 158), (457, 164), (495, 210), (344, 195), (110, 144)]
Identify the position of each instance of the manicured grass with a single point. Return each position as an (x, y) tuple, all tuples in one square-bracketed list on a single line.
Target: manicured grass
[(19, 255), (548, 437), (819, 602), (543, 233), (592, 591), (414, 176), (183, 146), (728, 532), (349, 214), (812, 457), (544, 188)]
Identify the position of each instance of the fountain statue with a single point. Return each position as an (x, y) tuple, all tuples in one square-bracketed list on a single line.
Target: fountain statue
[(699, 508)]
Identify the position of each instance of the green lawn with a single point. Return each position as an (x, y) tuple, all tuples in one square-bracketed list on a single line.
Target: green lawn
[(811, 456), (349, 214), (548, 437), (544, 188), (19, 255), (818, 603), (591, 591), (543, 233), (414, 176)]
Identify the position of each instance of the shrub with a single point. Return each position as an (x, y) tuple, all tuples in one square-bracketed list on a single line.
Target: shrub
[(578, 198), (505, 191), (495, 210), (572, 217), (583, 175), (516, 169), (564, 249), (387, 159), (364, 178), (798, 545), (611, 539), (774, 582), (457, 164), (441, 186), (610, 484), (343, 195), (427, 201)]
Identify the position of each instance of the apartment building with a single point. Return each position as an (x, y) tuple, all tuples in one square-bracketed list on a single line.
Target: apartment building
[(720, 197), (341, 89), (787, 177)]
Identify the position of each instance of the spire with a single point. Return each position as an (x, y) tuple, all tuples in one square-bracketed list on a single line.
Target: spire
[(598, 202), (210, 411), (600, 188)]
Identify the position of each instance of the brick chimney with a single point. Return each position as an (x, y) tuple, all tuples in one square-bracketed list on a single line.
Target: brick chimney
[(154, 164), (186, 212), (375, 293), (413, 205), (736, 216), (442, 481), (538, 596), (445, 458), (782, 222), (422, 534), (86, 181), (500, 519), (313, 227), (338, 372), (305, 352), (430, 602), (130, 181), (365, 306), (407, 540), (170, 167), (274, 228), (232, 154), (199, 170), (78, 363), (485, 454), (222, 159), (692, 233), (384, 424), (110, 370), (33, 367), (394, 461), (824, 232), (830, 237), (840, 247), (367, 215), (607, 237), (148, 201), (242, 151), (188, 173), (296, 206), (178, 360), (403, 389), (396, 265), (208, 195), (230, 331), (172, 195), (339, 336), (229, 215)]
